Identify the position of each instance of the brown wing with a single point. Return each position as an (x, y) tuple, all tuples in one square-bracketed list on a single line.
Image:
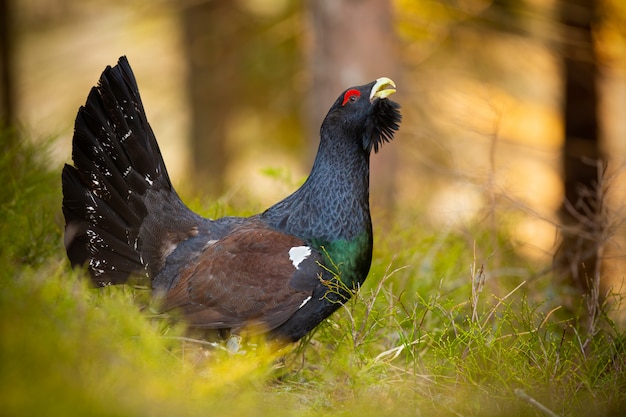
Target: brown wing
[(246, 279)]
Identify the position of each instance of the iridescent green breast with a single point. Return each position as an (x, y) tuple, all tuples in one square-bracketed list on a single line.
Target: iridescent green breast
[(347, 260)]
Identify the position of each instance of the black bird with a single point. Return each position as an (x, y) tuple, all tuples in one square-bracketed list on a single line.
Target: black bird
[(279, 272)]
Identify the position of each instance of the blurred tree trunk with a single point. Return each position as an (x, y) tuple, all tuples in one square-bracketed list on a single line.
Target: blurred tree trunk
[(6, 66), (353, 43), (211, 29), (578, 259)]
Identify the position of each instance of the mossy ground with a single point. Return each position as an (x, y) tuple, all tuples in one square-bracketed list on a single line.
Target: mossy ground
[(436, 331)]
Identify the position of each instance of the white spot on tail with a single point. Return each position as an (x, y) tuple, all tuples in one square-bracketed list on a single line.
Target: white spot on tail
[(297, 254), (126, 135)]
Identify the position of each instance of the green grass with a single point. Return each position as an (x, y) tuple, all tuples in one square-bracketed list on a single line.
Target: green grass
[(437, 330)]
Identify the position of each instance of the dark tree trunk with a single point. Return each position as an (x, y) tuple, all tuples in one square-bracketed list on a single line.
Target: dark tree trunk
[(7, 99), (577, 260), (211, 30)]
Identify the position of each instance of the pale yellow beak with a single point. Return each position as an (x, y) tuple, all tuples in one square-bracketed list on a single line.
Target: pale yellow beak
[(383, 88)]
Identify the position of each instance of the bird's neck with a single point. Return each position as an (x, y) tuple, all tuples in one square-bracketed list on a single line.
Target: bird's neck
[(341, 174), (333, 203)]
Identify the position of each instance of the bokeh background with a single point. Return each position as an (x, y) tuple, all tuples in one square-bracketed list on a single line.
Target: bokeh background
[(494, 136)]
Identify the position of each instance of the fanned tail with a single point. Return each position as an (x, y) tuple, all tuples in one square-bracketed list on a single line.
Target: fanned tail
[(116, 162)]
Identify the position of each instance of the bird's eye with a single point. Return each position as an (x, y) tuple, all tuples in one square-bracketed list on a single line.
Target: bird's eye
[(351, 95)]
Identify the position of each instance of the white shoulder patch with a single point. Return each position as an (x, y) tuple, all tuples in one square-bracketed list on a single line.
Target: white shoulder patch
[(297, 254)]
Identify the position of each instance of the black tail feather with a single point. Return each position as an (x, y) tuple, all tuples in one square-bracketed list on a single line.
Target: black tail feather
[(117, 160), (95, 207)]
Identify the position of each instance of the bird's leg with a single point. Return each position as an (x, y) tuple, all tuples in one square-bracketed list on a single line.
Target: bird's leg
[(233, 344)]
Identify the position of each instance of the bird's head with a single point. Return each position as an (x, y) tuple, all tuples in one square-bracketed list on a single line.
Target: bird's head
[(365, 113)]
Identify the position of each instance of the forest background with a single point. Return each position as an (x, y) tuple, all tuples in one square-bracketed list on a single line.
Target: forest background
[(507, 173)]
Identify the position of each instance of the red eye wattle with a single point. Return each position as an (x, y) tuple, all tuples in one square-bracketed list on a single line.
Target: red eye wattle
[(351, 95)]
